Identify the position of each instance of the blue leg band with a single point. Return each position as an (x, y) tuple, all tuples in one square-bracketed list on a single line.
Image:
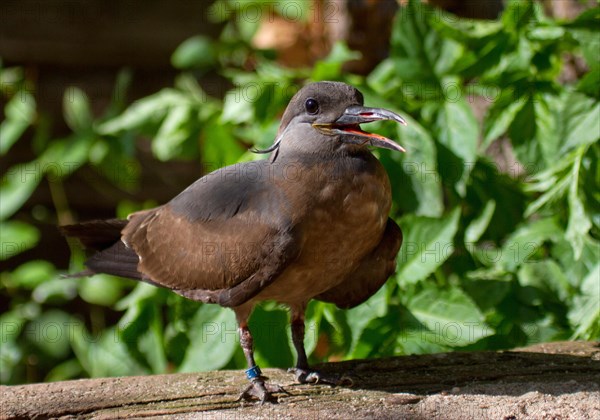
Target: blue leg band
[(253, 372)]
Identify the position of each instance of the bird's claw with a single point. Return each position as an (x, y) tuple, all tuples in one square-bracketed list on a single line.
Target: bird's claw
[(263, 392), (305, 376)]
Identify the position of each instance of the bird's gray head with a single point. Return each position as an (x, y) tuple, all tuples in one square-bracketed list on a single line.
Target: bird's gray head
[(326, 116)]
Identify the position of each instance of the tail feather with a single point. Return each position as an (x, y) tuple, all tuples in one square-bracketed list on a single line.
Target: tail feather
[(111, 256), (96, 235), (118, 260)]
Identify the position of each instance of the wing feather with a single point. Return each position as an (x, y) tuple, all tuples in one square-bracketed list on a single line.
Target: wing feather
[(217, 241)]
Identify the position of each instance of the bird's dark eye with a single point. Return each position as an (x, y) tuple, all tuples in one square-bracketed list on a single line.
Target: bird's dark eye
[(312, 106)]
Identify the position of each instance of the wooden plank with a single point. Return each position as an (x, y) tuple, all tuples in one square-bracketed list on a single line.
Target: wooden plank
[(555, 380)]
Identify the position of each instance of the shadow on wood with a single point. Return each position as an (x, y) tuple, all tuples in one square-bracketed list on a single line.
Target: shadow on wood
[(554, 380)]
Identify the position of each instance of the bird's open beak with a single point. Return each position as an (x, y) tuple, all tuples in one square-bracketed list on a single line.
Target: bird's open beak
[(347, 126)]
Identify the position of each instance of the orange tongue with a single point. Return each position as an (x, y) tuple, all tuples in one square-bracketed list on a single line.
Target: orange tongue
[(362, 133)]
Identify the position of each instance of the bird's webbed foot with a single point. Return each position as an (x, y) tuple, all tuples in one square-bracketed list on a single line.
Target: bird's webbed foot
[(259, 389), (262, 391), (308, 376)]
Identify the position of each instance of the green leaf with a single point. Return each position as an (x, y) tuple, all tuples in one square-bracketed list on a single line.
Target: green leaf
[(499, 118), (120, 170), (268, 99), (564, 122), (581, 120), (546, 33), (141, 330), (427, 244), (298, 11), (522, 134), (219, 11), (380, 334), (213, 339), (147, 111), (458, 134), (314, 315), (21, 107), (64, 156), (188, 84), (17, 185), (416, 183), (57, 290), (383, 78), (10, 360), (330, 68), (518, 15), (141, 292), (590, 83), (19, 113), (70, 369), (103, 354), (579, 222), (10, 132), (76, 109), (489, 181), (478, 226), (588, 42), (418, 51), (450, 316), (261, 136), (220, 148), (339, 330), (195, 52), (16, 237), (474, 33), (481, 61), (359, 317), (52, 335), (548, 277), (584, 314), (270, 331), (488, 287), (587, 19), (576, 270), (526, 242), (173, 132), (550, 126), (553, 183), (560, 180), (101, 289), (32, 273), (238, 107)]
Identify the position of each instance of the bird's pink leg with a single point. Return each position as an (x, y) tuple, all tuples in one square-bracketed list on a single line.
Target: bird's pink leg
[(302, 371), (258, 388)]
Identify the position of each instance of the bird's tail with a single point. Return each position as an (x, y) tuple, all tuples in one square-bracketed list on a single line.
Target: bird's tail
[(95, 235), (102, 240)]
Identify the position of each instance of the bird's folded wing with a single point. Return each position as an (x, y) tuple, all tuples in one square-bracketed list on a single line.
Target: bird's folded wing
[(214, 244)]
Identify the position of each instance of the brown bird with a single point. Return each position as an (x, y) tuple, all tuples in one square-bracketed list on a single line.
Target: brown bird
[(309, 223)]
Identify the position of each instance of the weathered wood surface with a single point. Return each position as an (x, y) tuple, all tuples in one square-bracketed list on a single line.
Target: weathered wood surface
[(547, 381)]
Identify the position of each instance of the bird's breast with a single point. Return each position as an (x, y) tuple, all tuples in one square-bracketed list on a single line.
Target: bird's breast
[(344, 211)]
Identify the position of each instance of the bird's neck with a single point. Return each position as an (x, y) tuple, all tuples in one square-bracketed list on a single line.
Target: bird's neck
[(314, 169), (332, 152)]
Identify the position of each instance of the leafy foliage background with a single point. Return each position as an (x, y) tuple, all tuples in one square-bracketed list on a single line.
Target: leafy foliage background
[(495, 255)]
